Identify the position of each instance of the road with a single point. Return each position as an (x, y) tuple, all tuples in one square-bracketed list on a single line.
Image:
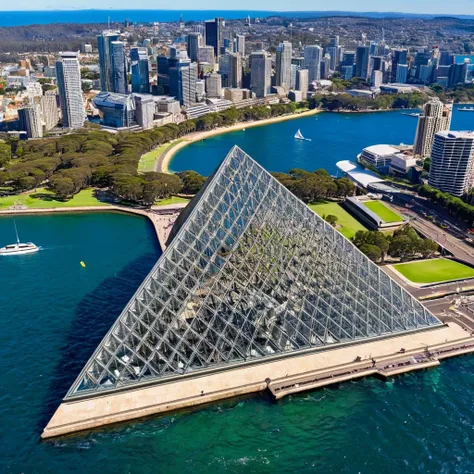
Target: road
[(452, 244)]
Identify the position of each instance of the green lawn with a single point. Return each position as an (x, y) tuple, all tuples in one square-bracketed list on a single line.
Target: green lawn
[(148, 160), (43, 199), (434, 271), (346, 224), (383, 211), (171, 200)]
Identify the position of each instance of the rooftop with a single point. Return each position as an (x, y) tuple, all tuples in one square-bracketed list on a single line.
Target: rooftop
[(382, 150)]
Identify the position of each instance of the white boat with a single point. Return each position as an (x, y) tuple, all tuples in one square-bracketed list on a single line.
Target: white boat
[(466, 109), (18, 248), (299, 136)]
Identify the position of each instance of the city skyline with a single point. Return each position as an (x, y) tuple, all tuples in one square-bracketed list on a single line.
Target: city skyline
[(422, 7)]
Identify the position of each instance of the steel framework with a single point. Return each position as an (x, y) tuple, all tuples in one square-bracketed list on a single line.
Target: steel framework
[(250, 273)]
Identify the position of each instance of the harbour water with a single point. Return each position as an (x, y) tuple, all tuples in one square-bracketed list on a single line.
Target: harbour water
[(334, 137), (54, 313)]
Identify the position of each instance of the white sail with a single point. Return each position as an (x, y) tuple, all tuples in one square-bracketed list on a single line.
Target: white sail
[(299, 135)]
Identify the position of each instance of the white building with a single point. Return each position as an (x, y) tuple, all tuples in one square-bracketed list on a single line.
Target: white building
[(401, 163), (378, 156), (70, 93), (436, 118), (49, 110), (452, 162)]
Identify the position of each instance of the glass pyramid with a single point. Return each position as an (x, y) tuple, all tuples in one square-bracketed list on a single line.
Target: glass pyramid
[(250, 272)]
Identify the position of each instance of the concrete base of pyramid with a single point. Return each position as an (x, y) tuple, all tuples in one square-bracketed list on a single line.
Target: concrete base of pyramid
[(288, 375)]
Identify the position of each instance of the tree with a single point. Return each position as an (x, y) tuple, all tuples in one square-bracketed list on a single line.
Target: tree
[(331, 219), (371, 251), (5, 154), (63, 187), (192, 181)]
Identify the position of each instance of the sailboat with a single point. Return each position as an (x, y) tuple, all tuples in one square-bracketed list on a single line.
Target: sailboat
[(299, 136), (18, 248)]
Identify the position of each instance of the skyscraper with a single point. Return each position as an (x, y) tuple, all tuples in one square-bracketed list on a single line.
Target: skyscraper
[(214, 85), (49, 109), (436, 117), (119, 80), (215, 34), (70, 91), (140, 71), (230, 67), (105, 58), (183, 79), (399, 56), (458, 73), (206, 55), (260, 73), (302, 83), (30, 120), (193, 44), (362, 62), (283, 64), (335, 53), (239, 42), (452, 162), (312, 61), (402, 74)]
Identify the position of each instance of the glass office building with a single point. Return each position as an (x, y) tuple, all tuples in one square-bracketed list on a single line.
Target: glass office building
[(249, 274)]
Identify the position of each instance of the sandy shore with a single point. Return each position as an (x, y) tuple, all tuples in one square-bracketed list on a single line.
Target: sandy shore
[(162, 164)]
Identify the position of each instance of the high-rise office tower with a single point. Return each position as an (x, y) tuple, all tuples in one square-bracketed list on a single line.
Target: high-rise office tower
[(70, 91), (362, 62), (260, 73), (399, 57), (104, 45), (452, 162), (119, 80), (215, 34), (312, 61), (239, 42), (183, 79), (458, 73), (376, 63), (214, 85), (445, 58), (335, 41), (402, 74), (302, 82), (293, 70), (206, 55), (283, 64), (348, 58), (230, 67), (436, 117), (30, 120), (335, 53), (49, 110), (193, 44), (140, 71)]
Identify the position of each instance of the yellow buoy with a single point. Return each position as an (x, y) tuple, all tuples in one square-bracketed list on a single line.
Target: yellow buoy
[(83, 264)]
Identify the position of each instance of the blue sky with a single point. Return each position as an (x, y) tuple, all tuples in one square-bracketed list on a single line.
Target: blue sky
[(410, 6)]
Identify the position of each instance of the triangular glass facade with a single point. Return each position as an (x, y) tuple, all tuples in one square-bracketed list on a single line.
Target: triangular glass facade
[(250, 273)]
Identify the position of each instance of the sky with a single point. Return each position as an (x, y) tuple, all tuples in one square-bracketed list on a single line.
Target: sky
[(454, 7)]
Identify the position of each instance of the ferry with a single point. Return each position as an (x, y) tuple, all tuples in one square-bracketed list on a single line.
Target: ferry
[(466, 109), (18, 248)]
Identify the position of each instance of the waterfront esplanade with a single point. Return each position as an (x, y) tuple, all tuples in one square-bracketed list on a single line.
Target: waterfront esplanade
[(253, 286)]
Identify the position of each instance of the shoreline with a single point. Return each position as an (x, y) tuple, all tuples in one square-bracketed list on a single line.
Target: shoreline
[(164, 160), (154, 218)]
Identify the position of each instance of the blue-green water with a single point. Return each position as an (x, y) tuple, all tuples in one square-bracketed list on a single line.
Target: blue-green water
[(54, 312), (334, 137)]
